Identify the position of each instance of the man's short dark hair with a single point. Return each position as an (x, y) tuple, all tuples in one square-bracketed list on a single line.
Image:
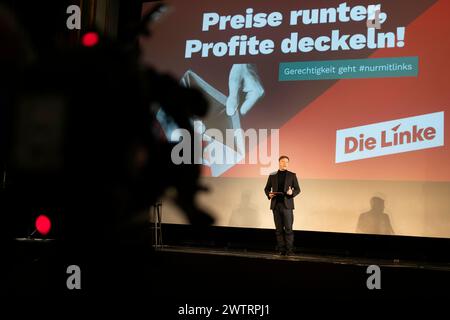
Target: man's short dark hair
[(283, 157)]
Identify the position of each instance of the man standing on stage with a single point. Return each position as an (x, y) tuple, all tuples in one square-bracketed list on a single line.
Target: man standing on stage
[(281, 188)]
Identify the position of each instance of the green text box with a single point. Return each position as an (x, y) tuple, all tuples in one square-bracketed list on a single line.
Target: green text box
[(349, 69)]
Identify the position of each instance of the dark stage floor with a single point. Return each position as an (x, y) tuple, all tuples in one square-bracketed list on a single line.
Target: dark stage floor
[(192, 274), (206, 273)]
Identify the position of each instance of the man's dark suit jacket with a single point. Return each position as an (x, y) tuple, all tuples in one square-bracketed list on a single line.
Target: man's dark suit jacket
[(272, 185)]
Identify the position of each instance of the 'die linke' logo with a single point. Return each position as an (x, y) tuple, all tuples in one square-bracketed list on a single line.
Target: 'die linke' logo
[(393, 137)]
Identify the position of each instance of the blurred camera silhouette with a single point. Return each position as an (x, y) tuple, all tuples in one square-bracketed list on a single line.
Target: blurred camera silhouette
[(80, 140)]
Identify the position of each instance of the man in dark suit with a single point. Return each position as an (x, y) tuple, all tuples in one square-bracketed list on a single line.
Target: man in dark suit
[(281, 188)]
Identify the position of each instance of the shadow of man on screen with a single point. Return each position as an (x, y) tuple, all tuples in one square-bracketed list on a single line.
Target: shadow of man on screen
[(375, 221), (246, 214)]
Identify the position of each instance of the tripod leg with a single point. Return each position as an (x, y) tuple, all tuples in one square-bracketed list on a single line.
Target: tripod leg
[(155, 226), (159, 225)]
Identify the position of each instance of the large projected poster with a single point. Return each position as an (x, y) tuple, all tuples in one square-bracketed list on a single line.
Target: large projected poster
[(356, 93)]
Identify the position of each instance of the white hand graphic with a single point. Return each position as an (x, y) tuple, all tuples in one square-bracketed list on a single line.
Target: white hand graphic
[(243, 79)]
